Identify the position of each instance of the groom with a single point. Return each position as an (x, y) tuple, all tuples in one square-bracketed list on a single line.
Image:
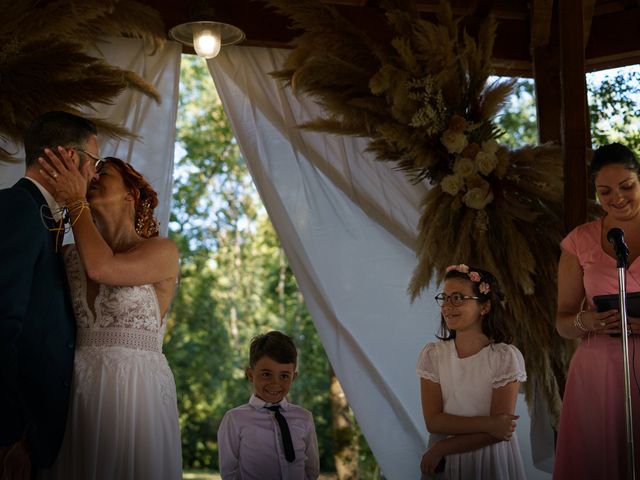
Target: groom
[(37, 329)]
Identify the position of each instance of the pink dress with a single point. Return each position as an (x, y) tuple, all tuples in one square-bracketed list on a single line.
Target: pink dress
[(592, 433)]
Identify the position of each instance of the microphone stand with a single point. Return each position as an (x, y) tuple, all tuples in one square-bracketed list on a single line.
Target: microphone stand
[(621, 266)]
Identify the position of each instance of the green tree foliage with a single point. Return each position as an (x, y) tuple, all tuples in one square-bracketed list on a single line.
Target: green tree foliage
[(518, 118), (614, 110), (235, 282), (614, 107)]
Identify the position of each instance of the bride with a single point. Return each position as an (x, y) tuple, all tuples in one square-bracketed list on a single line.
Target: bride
[(123, 421)]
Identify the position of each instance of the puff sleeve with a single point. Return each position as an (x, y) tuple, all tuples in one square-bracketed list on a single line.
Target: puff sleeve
[(508, 366), (428, 363)]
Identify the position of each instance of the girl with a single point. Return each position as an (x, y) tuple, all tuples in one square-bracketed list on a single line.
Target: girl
[(469, 383)]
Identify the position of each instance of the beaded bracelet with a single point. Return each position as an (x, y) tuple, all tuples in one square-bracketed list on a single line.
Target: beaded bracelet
[(577, 322)]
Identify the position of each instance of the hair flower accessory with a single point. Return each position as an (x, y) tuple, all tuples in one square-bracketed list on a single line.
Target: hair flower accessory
[(474, 276)]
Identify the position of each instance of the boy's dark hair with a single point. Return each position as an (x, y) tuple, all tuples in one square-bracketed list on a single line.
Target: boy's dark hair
[(275, 345), (494, 323), (53, 129)]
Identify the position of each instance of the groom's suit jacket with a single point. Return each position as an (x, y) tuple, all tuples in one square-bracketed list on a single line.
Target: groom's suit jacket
[(37, 328)]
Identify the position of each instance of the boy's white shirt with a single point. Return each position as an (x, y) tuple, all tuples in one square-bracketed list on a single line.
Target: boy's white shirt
[(250, 447)]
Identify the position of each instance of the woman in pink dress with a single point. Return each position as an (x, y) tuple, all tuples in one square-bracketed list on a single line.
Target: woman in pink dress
[(592, 433)]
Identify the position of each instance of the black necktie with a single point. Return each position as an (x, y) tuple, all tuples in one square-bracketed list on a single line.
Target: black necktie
[(289, 453)]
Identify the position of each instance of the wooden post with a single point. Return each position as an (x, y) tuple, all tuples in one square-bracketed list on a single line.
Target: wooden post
[(546, 70), (575, 118)]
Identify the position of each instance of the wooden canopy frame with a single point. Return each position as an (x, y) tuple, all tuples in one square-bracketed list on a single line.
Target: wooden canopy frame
[(555, 42)]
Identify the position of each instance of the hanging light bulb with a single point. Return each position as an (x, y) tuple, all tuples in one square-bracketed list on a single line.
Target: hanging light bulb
[(206, 41), (206, 37)]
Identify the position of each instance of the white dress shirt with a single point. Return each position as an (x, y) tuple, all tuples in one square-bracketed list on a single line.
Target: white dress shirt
[(54, 206), (250, 447)]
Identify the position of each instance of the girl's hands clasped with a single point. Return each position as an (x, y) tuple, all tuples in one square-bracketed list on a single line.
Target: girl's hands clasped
[(431, 459), (502, 426)]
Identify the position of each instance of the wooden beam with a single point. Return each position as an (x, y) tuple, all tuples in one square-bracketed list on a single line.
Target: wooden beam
[(546, 61), (541, 13), (588, 11), (574, 111)]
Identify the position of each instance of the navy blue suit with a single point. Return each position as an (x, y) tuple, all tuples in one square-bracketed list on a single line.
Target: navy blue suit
[(37, 328)]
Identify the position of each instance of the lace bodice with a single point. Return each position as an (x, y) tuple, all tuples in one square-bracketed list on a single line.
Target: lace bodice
[(126, 316)]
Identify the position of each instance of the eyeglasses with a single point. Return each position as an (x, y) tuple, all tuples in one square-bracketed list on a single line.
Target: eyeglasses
[(99, 160), (456, 299)]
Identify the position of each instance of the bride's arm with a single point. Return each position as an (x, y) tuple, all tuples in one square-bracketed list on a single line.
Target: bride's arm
[(151, 261)]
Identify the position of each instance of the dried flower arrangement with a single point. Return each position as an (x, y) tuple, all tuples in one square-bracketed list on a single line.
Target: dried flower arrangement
[(44, 65), (427, 104)]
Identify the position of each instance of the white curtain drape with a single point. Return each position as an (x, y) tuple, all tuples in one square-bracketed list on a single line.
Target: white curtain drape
[(347, 224), (153, 123)]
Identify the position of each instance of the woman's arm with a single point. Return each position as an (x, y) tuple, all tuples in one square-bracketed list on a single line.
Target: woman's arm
[(149, 262), (570, 297), (497, 424)]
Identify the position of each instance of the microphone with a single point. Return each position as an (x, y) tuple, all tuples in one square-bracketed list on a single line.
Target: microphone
[(616, 238)]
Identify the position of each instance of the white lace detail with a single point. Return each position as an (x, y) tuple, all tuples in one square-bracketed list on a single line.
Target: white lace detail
[(95, 365), (127, 338), (127, 316)]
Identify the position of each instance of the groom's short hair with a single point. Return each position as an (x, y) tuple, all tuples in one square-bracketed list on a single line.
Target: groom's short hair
[(53, 129)]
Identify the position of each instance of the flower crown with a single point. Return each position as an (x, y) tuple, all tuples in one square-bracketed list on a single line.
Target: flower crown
[(484, 287)]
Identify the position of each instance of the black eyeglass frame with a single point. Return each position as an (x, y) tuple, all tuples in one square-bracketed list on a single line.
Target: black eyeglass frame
[(456, 299)]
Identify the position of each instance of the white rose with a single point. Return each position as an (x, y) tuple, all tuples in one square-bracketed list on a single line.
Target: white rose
[(464, 167), (454, 141), (452, 184), (486, 162), (490, 146), (478, 198)]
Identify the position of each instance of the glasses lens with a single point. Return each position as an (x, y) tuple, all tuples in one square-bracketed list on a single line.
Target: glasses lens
[(456, 299), (441, 298)]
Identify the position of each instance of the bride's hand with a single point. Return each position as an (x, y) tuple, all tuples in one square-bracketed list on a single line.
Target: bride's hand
[(61, 172)]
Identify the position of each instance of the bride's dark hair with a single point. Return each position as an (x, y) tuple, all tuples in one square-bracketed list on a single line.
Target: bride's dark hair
[(145, 197)]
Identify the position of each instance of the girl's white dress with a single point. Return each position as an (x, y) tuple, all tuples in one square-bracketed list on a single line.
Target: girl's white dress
[(467, 385), (123, 417)]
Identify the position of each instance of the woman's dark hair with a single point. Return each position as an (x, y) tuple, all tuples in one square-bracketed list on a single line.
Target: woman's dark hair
[(275, 345), (494, 322), (613, 154)]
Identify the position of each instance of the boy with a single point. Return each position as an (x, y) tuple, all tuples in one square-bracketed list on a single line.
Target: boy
[(269, 438)]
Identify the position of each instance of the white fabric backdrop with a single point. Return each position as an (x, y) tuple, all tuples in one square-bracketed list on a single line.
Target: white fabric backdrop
[(347, 224), (154, 123)]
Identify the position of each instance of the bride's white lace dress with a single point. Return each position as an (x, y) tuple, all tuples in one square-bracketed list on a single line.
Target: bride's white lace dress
[(123, 417)]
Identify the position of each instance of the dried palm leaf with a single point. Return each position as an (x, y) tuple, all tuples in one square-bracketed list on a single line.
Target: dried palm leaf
[(427, 105), (48, 68)]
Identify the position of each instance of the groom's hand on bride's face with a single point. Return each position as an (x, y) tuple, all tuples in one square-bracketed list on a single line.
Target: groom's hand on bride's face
[(61, 171)]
